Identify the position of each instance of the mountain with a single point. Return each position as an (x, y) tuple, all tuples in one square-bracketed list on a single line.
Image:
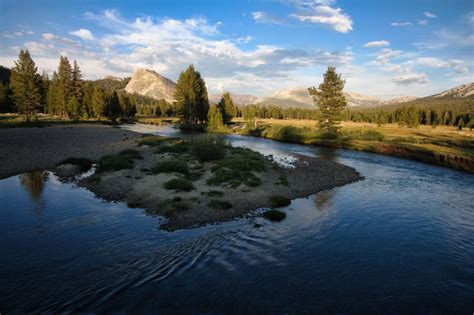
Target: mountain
[(238, 99), (151, 84), (401, 99), (461, 91)]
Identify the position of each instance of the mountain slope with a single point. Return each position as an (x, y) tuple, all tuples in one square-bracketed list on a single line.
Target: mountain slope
[(151, 84), (238, 99), (461, 91)]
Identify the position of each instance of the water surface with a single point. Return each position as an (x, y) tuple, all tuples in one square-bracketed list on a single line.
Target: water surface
[(402, 240)]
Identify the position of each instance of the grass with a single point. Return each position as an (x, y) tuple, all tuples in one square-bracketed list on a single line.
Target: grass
[(171, 166), (279, 201), (114, 163), (133, 154), (219, 204), (208, 148), (83, 163), (152, 141), (179, 184), (213, 193), (274, 215), (236, 170), (174, 146), (445, 146), (174, 205)]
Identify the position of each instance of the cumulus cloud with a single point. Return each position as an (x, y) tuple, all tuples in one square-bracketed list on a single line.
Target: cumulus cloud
[(83, 34), (322, 12), (430, 15), (47, 36), (398, 24), (410, 78), (385, 55), (422, 22), (379, 43)]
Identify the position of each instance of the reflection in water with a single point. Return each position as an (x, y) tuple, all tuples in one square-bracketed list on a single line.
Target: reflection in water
[(323, 200), (34, 183), (328, 154)]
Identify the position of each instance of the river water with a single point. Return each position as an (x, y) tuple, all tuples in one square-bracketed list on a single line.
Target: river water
[(400, 241)]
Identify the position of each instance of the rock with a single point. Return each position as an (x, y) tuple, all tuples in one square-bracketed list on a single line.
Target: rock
[(151, 84)]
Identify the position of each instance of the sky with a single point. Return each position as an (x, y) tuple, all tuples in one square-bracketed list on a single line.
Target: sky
[(381, 48)]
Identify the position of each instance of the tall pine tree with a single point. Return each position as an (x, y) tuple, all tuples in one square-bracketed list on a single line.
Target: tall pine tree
[(65, 84), (191, 97), (227, 108), (331, 101), (25, 84)]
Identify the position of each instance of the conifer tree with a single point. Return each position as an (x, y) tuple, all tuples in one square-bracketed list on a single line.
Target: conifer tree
[(330, 99), (65, 84), (98, 102), (214, 118), (73, 110), (25, 85), (53, 97), (76, 86), (191, 97), (112, 108), (227, 108)]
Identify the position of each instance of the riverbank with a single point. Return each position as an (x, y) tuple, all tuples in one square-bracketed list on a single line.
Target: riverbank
[(29, 149), (172, 178)]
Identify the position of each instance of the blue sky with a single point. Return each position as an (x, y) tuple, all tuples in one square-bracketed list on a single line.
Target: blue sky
[(382, 48)]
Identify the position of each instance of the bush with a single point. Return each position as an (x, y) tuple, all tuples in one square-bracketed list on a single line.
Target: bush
[(279, 201), (236, 170), (171, 166), (152, 141), (133, 154), (178, 146), (179, 184), (219, 204), (274, 215), (213, 193), (114, 163), (83, 164), (368, 135), (208, 148)]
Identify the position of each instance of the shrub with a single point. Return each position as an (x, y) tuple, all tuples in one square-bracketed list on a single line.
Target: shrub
[(368, 135), (171, 166), (133, 154), (208, 148), (279, 201), (178, 146), (219, 204), (152, 141), (114, 163), (83, 164), (274, 215), (213, 193), (179, 184)]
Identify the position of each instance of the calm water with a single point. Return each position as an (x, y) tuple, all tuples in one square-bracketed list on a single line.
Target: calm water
[(402, 240)]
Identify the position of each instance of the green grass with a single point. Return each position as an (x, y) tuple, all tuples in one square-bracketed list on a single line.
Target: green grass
[(213, 193), (274, 215), (219, 204), (133, 154), (279, 201), (152, 141), (174, 205), (114, 163), (171, 166), (179, 184), (83, 163), (174, 146), (208, 148)]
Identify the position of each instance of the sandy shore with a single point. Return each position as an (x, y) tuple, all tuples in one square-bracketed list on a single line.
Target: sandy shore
[(28, 149)]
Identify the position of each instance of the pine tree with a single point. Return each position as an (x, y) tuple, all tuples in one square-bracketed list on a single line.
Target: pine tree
[(65, 84), (331, 101), (191, 97), (73, 110), (227, 108), (98, 102), (214, 118), (53, 96), (112, 108), (25, 85), (76, 87)]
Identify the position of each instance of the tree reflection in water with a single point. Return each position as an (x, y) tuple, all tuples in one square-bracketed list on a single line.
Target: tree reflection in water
[(33, 183), (323, 199)]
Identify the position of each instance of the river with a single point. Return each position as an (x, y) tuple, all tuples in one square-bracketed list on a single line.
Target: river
[(400, 241)]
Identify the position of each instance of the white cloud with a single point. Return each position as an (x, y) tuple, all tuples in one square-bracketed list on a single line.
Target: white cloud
[(48, 36), (322, 12), (379, 43), (83, 34), (446, 38), (422, 22), (397, 24), (430, 15), (263, 17), (410, 78), (385, 55)]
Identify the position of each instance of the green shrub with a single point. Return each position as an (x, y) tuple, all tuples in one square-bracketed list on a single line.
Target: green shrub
[(114, 163), (368, 135), (279, 201), (208, 148), (213, 193), (238, 170), (219, 204), (409, 139), (152, 141), (83, 164), (274, 215), (177, 146), (171, 166), (133, 154), (179, 184)]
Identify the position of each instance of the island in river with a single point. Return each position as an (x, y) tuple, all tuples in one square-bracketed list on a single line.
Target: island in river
[(190, 182)]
